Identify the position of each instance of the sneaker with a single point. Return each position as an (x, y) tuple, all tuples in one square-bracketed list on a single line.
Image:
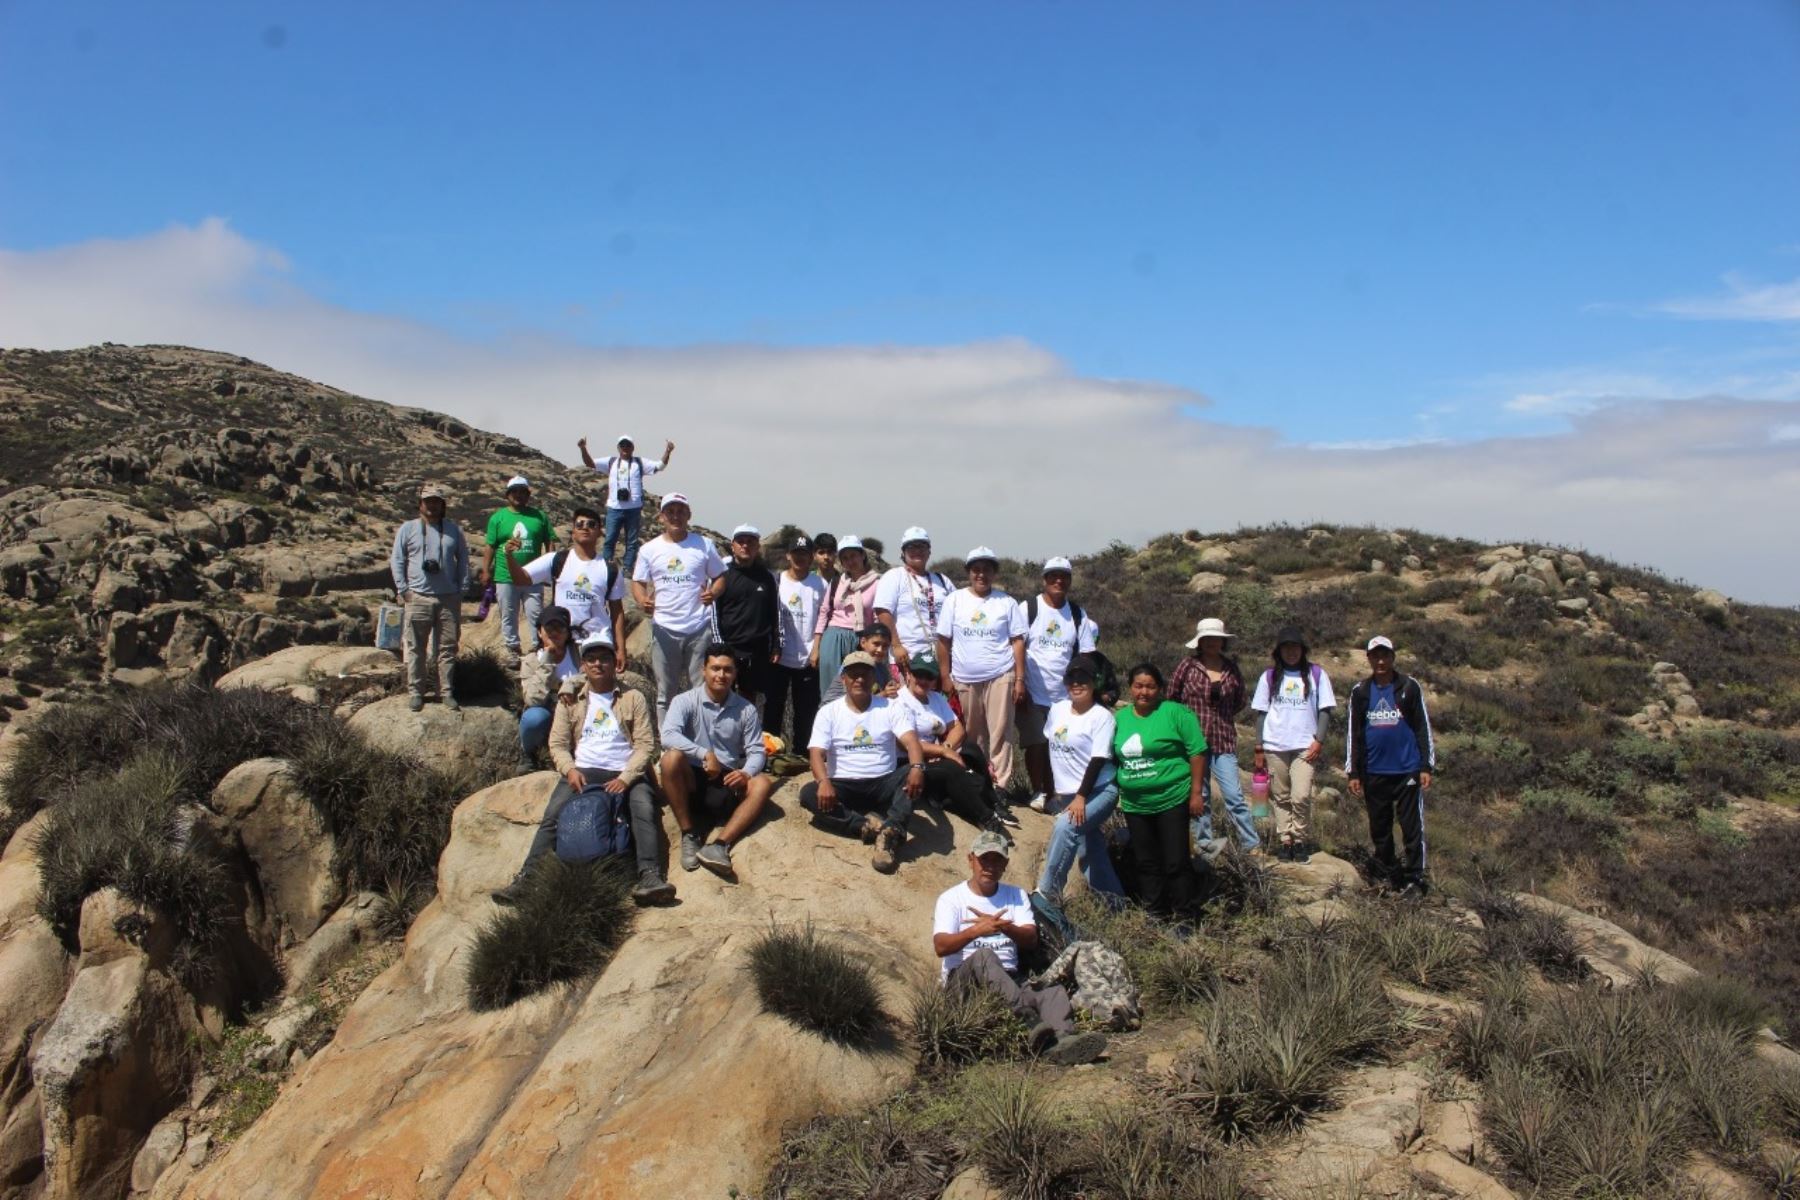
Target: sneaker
[(1285, 852), (1303, 852), (871, 828), (690, 852), (1040, 802), (1042, 1038), (451, 704), (1414, 890), (416, 703), (1075, 1049), (1004, 816), (887, 850), (716, 858), (652, 888)]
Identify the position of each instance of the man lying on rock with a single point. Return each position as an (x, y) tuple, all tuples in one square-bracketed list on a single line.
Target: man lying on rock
[(978, 930), (857, 785), (602, 739), (712, 769)]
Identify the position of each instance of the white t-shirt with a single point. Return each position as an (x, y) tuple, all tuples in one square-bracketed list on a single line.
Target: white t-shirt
[(800, 601), (1076, 739), (603, 745), (583, 588), (1293, 718), (931, 718), (1049, 647), (961, 904), (913, 599), (980, 631), (677, 571), (859, 745), (628, 475), (570, 665)]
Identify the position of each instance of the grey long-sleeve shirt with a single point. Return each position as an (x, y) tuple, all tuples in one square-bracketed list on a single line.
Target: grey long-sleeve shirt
[(732, 730), (417, 541)]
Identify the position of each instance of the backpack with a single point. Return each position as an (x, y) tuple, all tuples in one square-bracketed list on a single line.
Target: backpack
[(594, 824), (1098, 982), (1106, 676)]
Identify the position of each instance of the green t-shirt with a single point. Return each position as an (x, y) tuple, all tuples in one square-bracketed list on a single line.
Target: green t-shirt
[(1153, 753), (535, 536)]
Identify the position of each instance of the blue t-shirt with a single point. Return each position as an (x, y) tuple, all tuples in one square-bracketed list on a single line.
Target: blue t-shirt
[(1393, 749)]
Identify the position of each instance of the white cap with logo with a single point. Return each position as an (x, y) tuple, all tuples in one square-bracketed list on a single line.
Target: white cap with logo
[(1059, 563), (913, 534), (745, 531), (518, 481), (980, 553), (1380, 643), (674, 498)]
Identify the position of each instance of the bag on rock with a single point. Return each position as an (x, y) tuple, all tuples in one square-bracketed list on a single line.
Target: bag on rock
[(594, 824), (390, 627), (1098, 982)]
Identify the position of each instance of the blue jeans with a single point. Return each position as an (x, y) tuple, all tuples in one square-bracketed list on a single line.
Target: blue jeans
[(626, 521), (1089, 839), (534, 728), (512, 596), (1229, 787)]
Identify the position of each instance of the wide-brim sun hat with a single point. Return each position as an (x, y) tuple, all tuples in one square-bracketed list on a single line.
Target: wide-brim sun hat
[(1208, 627)]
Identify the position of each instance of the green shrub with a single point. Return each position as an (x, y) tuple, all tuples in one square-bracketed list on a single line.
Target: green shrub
[(856, 1157), (1018, 1141), (1722, 1004), (1415, 945), (953, 1029), (1180, 976), (564, 927), (1515, 934), (815, 983), (1150, 1154), (1242, 885)]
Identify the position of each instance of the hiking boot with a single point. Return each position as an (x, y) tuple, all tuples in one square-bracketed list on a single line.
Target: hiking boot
[(1414, 890), (451, 704), (1285, 852), (994, 825), (1076, 1048), (716, 858), (652, 888), (1303, 852), (527, 762), (1042, 1038), (690, 852), (887, 850), (416, 703), (1004, 816), (871, 828), (509, 895), (1040, 802)]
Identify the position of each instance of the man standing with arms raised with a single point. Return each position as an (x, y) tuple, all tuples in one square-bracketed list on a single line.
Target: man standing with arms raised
[(591, 593), (529, 531), (430, 565), (674, 585), (1056, 630), (910, 596), (625, 474)]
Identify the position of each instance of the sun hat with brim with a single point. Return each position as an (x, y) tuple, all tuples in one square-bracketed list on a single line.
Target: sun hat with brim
[(851, 542), (980, 554), (1059, 564), (1380, 643), (596, 641), (433, 491), (914, 533), (673, 498), (1290, 633), (924, 663), (1209, 627), (857, 658), (518, 481), (989, 842), (746, 531)]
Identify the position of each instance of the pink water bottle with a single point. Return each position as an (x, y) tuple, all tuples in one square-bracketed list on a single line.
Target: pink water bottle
[(1259, 785)]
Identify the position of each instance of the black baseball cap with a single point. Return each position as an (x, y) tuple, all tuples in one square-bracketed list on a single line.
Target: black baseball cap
[(555, 612), (798, 543)]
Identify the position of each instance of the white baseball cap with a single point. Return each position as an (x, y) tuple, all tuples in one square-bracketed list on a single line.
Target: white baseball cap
[(913, 534), (1059, 563), (673, 498), (624, 439), (518, 481), (1379, 643), (745, 531), (596, 640), (851, 542), (979, 553), (1208, 627)]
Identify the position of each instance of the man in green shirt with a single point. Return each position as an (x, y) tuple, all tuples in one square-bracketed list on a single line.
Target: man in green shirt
[(1162, 773), (531, 534)]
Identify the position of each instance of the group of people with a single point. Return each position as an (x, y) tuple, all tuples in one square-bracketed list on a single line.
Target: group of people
[(906, 689)]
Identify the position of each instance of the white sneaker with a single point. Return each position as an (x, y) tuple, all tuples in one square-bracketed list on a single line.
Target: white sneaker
[(1040, 802)]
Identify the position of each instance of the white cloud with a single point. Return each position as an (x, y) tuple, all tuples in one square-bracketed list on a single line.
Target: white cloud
[(1744, 300), (995, 442)]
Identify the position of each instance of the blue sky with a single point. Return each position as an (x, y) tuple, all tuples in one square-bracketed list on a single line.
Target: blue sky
[(1345, 223)]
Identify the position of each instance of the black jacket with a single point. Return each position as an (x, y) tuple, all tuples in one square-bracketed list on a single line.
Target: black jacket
[(1411, 698), (749, 608)]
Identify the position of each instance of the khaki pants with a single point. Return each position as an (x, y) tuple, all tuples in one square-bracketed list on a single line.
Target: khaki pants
[(433, 629), (1290, 794), (987, 711)]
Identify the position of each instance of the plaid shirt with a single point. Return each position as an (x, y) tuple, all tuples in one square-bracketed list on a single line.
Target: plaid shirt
[(1190, 686)]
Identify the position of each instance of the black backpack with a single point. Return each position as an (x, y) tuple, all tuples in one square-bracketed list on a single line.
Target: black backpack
[(1106, 676)]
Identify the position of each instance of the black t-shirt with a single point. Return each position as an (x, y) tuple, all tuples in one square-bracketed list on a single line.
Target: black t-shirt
[(749, 607)]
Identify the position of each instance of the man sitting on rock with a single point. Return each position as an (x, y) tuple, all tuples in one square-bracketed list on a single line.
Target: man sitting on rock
[(857, 788), (713, 764), (979, 928), (956, 774), (541, 678), (431, 566), (602, 738)]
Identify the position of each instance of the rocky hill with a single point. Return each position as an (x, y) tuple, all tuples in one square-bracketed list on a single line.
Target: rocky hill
[(239, 924)]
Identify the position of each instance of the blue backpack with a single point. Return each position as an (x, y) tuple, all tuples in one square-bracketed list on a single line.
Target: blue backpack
[(594, 824)]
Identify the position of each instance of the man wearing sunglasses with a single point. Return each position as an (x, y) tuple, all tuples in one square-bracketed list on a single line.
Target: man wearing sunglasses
[(583, 583)]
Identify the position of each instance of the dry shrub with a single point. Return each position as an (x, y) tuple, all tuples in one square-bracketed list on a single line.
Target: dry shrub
[(565, 927), (815, 983)]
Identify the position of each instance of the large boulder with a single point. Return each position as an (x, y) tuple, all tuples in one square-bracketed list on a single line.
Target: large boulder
[(1498, 574), (319, 674), (316, 570), (286, 844), (34, 971), (438, 737), (1609, 950), (662, 1077)]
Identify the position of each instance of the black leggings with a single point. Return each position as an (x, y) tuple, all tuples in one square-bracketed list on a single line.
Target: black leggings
[(1159, 845)]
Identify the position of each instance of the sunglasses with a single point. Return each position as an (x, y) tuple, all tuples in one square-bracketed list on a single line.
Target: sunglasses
[(597, 656), (584, 523)]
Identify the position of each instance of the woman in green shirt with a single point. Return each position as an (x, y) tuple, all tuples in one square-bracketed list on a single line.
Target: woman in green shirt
[(1162, 782)]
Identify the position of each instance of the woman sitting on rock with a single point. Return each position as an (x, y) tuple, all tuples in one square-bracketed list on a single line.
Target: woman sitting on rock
[(1079, 734), (540, 676)]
